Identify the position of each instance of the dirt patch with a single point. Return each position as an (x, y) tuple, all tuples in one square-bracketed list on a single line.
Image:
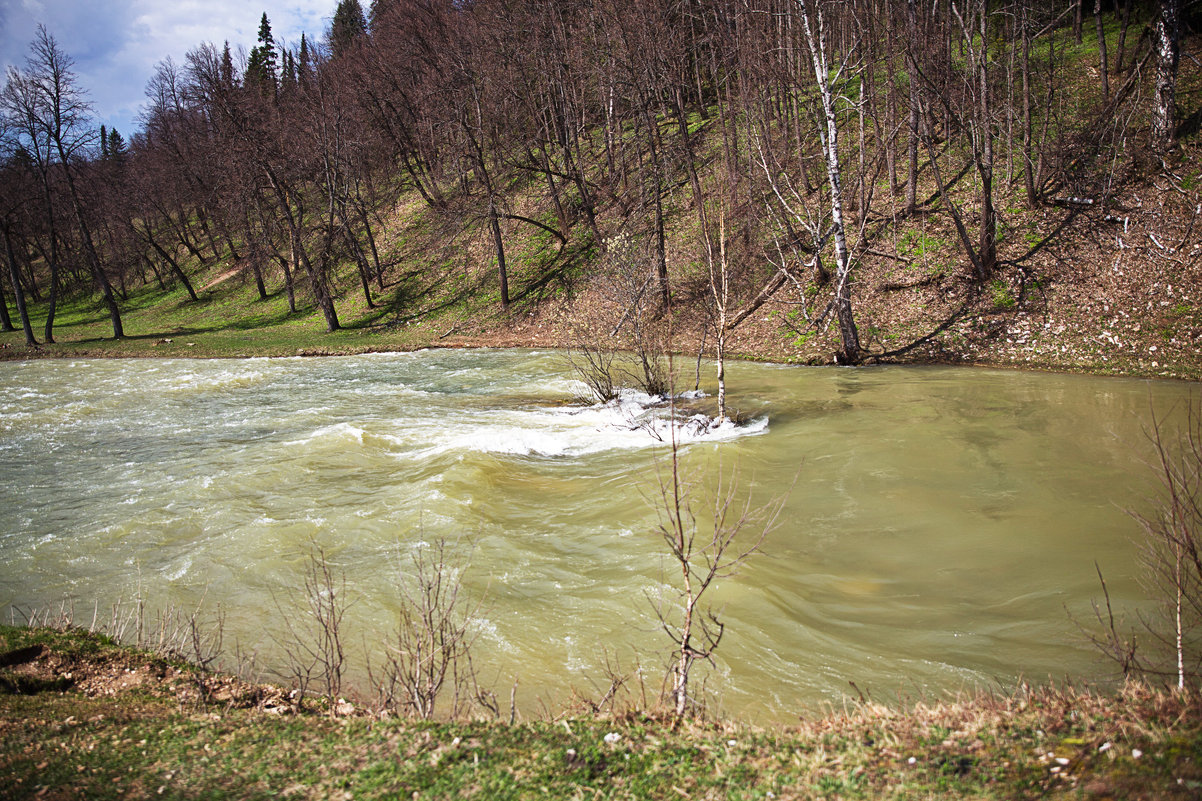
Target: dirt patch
[(109, 672), (220, 278)]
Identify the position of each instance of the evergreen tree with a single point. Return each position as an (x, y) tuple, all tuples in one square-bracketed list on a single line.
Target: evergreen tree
[(348, 25), (261, 66), (227, 66), (104, 144), (303, 58), (267, 45), (288, 81), (116, 146)]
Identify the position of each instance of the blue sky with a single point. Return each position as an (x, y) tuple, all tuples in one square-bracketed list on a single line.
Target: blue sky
[(116, 44)]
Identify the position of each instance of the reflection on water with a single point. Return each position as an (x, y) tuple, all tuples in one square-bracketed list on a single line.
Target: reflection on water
[(941, 522)]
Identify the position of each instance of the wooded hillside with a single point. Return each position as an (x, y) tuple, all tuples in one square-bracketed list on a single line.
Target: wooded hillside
[(1005, 182)]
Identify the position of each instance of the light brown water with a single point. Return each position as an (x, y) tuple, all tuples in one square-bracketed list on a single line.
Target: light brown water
[(942, 520)]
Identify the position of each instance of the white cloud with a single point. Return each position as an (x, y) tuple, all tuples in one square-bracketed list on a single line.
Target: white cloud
[(116, 44)]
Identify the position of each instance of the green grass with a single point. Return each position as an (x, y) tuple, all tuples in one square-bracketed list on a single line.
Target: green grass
[(999, 293), (146, 743), (230, 320)]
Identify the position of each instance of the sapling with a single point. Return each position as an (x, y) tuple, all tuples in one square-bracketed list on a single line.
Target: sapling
[(704, 549)]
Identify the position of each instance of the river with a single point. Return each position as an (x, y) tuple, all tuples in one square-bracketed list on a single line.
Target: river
[(940, 525)]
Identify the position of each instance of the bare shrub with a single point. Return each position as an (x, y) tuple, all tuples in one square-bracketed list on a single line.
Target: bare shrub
[(705, 548), (593, 364), (616, 689), (51, 616), (172, 632), (628, 279), (313, 645), (1166, 644), (429, 656)]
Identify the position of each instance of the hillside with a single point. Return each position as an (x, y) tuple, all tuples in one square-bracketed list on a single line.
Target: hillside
[(1064, 237), (1118, 296), (1111, 297)]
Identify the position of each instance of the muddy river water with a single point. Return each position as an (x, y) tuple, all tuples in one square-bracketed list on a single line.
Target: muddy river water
[(941, 525)]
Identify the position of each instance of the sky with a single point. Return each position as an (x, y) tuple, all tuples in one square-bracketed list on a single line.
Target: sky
[(116, 44)]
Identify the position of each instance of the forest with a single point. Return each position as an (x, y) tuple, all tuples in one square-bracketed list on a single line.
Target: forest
[(875, 173)]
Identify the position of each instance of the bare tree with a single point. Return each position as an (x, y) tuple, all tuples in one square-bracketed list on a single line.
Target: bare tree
[(720, 292), (61, 110), (705, 548), (21, 108), (14, 193), (829, 135), (312, 641), (1173, 549)]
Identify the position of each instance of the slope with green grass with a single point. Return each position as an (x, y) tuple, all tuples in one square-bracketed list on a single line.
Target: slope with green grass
[(85, 718)]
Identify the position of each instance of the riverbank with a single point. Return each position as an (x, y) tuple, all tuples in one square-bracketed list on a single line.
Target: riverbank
[(1020, 339), (83, 717)]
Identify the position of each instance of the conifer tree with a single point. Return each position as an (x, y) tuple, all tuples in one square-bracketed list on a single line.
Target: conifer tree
[(227, 66), (348, 25), (267, 45), (115, 148), (288, 81), (104, 144), (261, 66), (302, 66)]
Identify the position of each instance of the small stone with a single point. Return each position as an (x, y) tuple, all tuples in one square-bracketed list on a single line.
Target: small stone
[(612, 737)]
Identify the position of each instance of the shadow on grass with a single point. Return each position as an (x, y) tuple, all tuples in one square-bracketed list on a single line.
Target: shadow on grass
[(561, 274)]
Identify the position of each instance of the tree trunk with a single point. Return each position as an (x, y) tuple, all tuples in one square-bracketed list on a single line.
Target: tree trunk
[(172, 263), (51, 303), (27, 275), (364, 268), (1165, 34), (6, 322), (371, 239), (51, 256), (93, 259), (18, 291), (257, 270), (912, 143), (988, 232), (317, 279), (851, 350), (1028, 160), (106, 287), (494, 225), (1103, 66), (1124, 23)]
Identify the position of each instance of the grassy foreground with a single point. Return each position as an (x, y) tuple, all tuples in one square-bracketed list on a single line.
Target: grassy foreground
[(81, 717)]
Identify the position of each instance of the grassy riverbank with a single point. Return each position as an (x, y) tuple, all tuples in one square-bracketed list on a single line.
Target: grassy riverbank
[(81, 717)]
